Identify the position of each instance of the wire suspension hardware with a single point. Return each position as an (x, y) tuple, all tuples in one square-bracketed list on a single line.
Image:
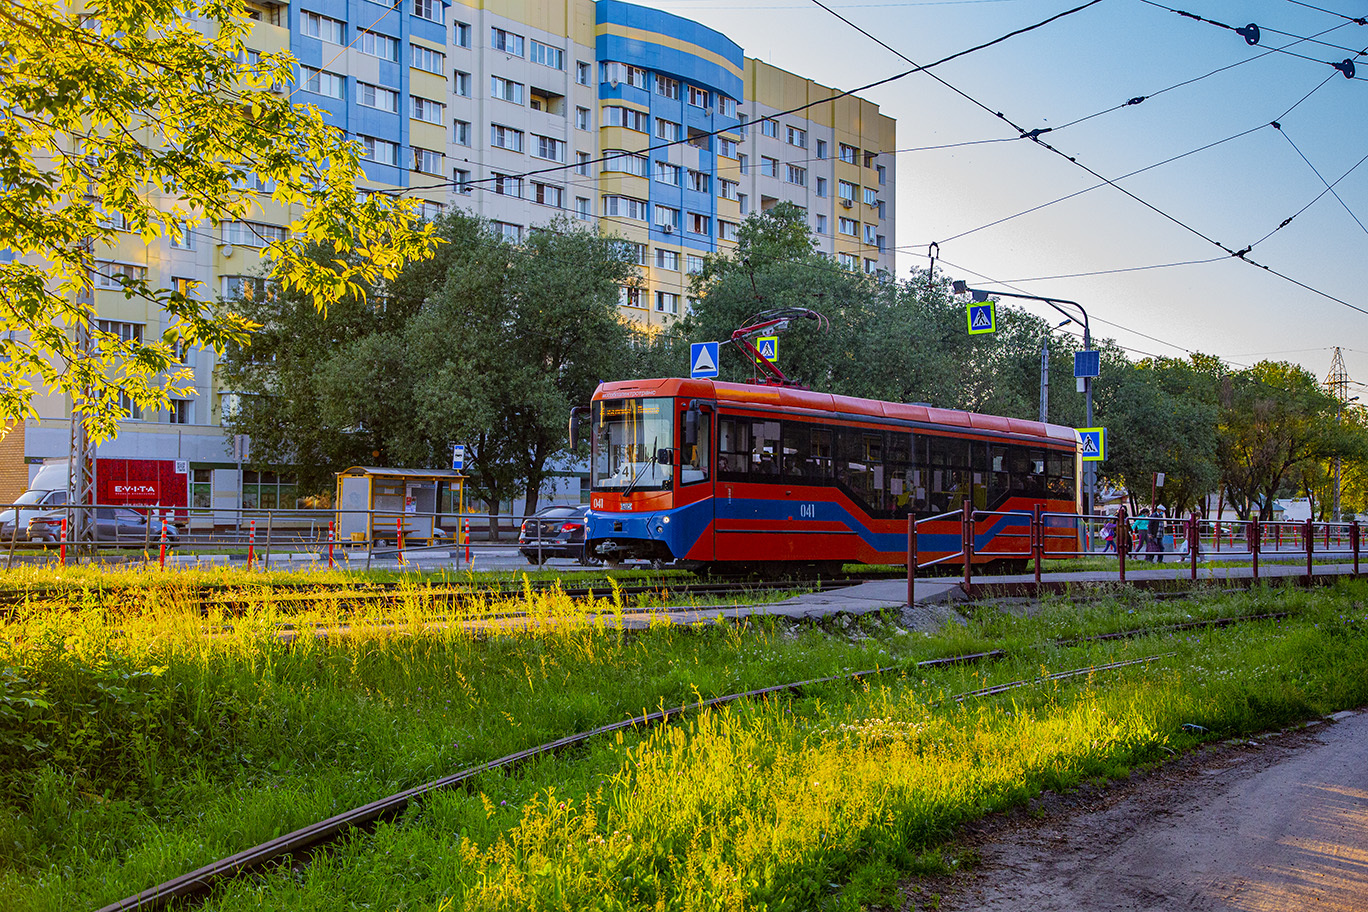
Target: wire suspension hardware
[(772, 321)]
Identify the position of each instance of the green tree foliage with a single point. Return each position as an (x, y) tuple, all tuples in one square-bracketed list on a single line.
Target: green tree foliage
[(139, 112), (489, 344)]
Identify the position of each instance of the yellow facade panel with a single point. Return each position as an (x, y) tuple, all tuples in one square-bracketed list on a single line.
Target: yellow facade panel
[(624, 139), (619, 184), (427, 136)]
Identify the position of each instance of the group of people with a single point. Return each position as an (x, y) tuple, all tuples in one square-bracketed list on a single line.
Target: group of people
[(1148, 527)]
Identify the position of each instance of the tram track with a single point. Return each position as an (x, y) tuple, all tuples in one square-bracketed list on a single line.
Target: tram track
[(194, 885)]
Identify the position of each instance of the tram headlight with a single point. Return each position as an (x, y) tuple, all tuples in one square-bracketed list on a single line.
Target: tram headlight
[(665, 520)]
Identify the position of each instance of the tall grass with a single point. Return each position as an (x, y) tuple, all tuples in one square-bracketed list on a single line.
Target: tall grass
[(154, 748)]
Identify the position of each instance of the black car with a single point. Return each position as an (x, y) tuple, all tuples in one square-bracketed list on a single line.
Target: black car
[(555, 532), (113, 525)]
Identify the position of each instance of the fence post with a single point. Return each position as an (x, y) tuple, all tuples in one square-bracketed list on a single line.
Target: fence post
[(331, 539), (1310, 535), (1255, 545), (266, 558), (1354, 545), (1216, 536), (161, 558), (1194, 529), (1038, 541), (1123, 540), (467, 543), (911, 559), (967, 547), (251, 544)]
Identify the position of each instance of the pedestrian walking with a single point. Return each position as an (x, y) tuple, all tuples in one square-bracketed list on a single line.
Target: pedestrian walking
[(1109, 536)]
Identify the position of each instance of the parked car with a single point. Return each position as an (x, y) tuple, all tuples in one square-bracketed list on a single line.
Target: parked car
[(113, 525), (555, 532), (42, 502)]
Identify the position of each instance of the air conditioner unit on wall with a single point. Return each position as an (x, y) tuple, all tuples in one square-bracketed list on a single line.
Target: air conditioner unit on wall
[(667, 229), (846, 204)]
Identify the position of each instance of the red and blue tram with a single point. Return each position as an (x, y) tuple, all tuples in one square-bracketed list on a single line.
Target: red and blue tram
[(715, 474)]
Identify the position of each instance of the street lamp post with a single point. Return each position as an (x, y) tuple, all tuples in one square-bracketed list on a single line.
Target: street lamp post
[(1089, 472)]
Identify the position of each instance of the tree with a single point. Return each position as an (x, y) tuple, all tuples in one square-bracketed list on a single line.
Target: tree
[(145, 113), (1274, 417)]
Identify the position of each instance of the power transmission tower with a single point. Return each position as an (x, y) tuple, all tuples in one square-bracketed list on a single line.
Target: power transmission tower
[(81, 454), (1337, 385)]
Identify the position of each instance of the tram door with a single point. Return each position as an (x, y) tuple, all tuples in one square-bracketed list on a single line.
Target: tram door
[(697, 477)]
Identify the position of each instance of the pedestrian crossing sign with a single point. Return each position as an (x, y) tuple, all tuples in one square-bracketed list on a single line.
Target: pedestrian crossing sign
[(768, 346), (703, 359), (982, 318), (1093, 444)]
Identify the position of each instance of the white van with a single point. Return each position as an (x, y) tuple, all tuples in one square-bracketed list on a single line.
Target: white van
[(47, 490)]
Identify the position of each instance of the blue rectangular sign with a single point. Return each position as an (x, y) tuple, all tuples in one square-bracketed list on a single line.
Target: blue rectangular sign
[(703, 359), (1088, 364), (458, 457)]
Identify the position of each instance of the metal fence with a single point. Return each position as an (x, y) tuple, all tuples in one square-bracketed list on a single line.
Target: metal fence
[(261, 537)]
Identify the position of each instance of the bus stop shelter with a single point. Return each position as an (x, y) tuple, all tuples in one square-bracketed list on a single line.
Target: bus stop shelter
[(372, 501)]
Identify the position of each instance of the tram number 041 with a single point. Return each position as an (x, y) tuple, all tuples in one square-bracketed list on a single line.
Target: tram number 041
[(807, 511)]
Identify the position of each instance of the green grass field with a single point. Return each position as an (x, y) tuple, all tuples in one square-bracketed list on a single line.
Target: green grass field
[(137, 747)]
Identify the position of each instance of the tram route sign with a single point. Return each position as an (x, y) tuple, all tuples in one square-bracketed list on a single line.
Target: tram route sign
[(457, 457), (982, 318), (703, 360), (1093, 443)]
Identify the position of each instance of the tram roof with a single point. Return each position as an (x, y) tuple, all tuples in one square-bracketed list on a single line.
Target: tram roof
[(787, 397)]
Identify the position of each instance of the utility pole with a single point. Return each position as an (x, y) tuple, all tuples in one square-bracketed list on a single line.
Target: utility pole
[(1045, 376)]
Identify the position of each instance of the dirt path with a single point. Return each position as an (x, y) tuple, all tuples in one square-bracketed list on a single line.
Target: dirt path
[(1277, 823)]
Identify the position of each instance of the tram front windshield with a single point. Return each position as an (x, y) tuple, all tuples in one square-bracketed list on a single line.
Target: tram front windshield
[(628, 433)]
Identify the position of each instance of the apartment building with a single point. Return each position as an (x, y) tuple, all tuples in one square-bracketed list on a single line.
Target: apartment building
[(649, 125)]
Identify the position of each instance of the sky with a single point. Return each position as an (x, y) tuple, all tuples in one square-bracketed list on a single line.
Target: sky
[(1205, 89)]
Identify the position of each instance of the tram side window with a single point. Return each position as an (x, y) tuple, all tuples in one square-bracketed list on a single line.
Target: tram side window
[(948, 466), (807, 453), (1060, 468), (693, 461), (733, 449), (899, 471)]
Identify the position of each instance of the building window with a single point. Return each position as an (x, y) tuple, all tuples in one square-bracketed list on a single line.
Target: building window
[(548, 195), (506, 89), (133, 410), (180, 411), (250, 234), (461, 84), (821, 224), (769, 167), (693, 264), (869, 234), (848, 260), (743, 163), (507, 42), (426, 110), (624, 207), (426, 59), (726, 231), (667, 302), (821, 148), (726, 147), (183, 285), (700, 224), (321, 27), (615, 73), (547, 55), (883, 175), (727, 189), (627, 117), (699, 182), (849, 154), (430, 210), (583, 72), (267, 491), (846, 190), (871, 266), (698, 97), (124, 332), (797, 137), (508, 231), (726, 106), (461, 178), (549, 148), (795, 175), (822, 187), (667, 86), (431, 10), (582, 208), (667, 173), (507, 185), (629, 297), (667, 219), (582, 160), (186, 241), (321, 82), (879, 242), (625, 162), (581, 118), (461, 131), (871, 196), (635, 253), (248, 288), (460, 34), (769, 128), (849, 227), (744, 201), (426, 161), (382, 46), (667, 130), (502, 137), (667, 259), (372, 96), (201, 488)]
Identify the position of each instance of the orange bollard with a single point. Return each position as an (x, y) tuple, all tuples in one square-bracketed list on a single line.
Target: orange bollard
[(399, 538), (61, 551), (251, 544), (161, 558), (331, 539)]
